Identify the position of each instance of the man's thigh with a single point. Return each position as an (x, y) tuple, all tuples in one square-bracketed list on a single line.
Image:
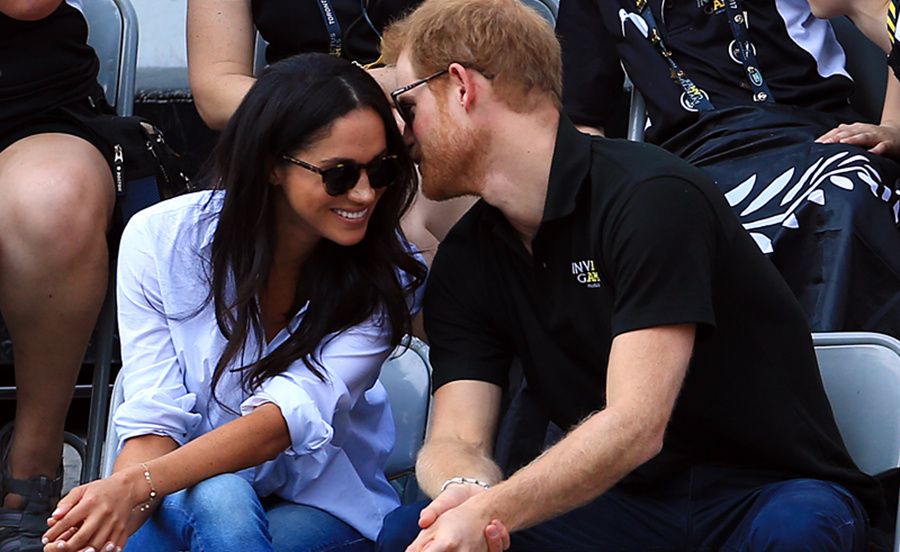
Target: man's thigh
[(798, 515), (614, 521)]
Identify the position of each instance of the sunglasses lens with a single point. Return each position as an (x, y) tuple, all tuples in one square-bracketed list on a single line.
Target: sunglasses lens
[(384, 171), (340, 179)]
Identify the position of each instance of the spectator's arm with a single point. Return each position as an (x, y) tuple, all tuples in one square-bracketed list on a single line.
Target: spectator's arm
[(220, 41), (28, 10)]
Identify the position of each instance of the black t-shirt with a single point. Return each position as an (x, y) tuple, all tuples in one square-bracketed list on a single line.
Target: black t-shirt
[(45, 63), (894, 60), (294, 26), (631, 238), (799, 56)]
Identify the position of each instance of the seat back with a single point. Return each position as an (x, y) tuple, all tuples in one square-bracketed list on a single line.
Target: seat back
[(548, 9), (113, 34), (861, 374), (407, 380), (406, 376)]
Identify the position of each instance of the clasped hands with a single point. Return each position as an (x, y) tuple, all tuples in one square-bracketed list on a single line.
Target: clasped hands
[(455, 521), (98, 516)]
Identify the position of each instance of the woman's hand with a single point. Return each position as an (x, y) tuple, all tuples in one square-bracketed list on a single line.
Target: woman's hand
[(99, 513), (883, 139)]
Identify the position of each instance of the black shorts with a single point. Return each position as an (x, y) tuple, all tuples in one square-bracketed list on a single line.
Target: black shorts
[(72, 119), (56, 120)]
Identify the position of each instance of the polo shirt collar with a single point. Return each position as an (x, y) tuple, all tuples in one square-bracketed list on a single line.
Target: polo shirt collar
[(568, 170)]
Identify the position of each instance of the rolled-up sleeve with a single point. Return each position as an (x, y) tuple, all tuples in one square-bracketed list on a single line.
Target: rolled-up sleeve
[(156, 399), (351, 362)]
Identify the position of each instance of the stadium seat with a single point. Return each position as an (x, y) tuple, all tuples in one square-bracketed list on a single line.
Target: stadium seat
[(406, 376), (113, 33), (861, 374)]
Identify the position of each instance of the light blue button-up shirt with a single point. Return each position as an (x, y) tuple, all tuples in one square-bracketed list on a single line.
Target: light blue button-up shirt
[(341, 430)]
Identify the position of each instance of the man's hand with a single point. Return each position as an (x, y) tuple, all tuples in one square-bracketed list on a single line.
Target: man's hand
[(465, 528), (450, 498), (883, 139)]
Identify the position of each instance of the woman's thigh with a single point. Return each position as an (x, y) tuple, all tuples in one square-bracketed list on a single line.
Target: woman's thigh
[(220, 514), (300, 528)]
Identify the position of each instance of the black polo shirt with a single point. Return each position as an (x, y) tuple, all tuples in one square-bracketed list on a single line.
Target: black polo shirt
[(632, 237)]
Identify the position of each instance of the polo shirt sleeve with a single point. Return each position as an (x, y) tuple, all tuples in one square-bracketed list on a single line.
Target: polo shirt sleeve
[(660, 242), (464, 343), (592, 73)]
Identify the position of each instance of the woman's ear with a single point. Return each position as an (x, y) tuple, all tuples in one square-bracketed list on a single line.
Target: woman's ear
[(276, 177)]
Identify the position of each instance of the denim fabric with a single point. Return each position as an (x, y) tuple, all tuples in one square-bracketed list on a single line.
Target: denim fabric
[(224, 514), (703, 511)]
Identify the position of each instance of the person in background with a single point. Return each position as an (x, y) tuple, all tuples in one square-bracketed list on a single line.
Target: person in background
[(877, 19), (221, 42), (648, 324), (254, 319), (743, 90), (56, 204)]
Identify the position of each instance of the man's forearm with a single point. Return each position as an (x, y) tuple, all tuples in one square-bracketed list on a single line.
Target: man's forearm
[(440, 460), (587, 462)]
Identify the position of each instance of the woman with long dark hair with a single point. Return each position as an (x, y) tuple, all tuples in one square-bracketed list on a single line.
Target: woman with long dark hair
[(254, 319)]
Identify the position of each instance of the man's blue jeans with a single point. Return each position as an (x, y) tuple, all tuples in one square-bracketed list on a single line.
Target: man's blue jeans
[(224, 514), (708, 509)]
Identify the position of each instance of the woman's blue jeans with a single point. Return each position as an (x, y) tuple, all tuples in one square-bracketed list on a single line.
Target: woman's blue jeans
[(224, 514)]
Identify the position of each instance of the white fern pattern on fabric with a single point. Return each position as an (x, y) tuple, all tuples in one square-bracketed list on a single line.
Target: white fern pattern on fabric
[(837, 173)]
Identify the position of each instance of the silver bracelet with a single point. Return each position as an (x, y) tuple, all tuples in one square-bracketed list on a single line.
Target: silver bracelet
[(459, 480)]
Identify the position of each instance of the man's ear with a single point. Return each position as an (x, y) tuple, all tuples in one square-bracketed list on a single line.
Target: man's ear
[(464, 83)]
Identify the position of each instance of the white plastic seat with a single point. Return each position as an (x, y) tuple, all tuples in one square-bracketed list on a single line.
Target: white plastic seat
[(861, 375)]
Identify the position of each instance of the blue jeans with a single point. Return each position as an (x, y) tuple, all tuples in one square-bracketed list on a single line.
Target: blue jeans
[(224, 514), (707, 510)]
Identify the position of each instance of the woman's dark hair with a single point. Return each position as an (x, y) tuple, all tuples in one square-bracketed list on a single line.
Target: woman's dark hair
[(293, 104)]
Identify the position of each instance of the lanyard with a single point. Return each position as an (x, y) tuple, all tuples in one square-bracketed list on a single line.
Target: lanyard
[(332, 26), (694, 98), (892, 21), (737, 20)]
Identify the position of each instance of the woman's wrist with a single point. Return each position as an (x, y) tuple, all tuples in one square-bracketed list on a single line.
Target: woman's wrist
[(142, 494)]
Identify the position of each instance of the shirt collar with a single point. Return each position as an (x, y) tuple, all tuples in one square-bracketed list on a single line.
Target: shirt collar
[(570, 166)]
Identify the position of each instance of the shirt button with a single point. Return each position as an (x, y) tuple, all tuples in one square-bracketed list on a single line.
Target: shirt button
[(544, 266)]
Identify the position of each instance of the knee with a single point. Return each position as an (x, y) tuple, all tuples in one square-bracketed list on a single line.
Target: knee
[(400, 528), (223, 497), (58, 209), (809, 515)]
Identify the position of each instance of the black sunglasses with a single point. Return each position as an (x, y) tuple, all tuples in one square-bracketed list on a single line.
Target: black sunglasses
[(341, 178), (405, 111)]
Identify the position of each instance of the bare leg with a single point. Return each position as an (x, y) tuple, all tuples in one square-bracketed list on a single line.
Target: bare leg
[(56, 200)]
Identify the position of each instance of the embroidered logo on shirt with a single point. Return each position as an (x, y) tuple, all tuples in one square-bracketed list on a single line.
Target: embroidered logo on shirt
[(586, 273)]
